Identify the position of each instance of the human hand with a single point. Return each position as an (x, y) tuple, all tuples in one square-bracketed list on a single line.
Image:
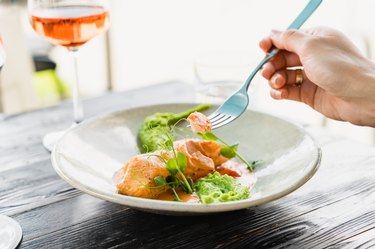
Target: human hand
[(338, 81)]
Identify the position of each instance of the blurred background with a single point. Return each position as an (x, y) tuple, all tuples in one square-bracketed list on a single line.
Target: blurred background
[(151, 42)]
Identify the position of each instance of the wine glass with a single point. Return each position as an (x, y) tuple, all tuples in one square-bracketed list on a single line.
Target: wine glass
[(10, 230), (69, 23)]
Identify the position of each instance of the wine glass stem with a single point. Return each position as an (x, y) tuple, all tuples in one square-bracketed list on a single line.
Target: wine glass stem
[(77, 103)]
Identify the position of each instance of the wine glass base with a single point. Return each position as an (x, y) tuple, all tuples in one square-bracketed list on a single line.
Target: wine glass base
[(10, 232), (50, 139)]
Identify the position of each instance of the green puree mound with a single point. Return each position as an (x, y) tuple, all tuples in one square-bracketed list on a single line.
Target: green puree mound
[(220, 188), (156, 130)]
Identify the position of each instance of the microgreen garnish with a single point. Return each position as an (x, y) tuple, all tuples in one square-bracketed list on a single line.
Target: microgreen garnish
[(176, 161), (209, 136), (254, 164), (160, 181), (172, 166), (176, 166), (228, 151)]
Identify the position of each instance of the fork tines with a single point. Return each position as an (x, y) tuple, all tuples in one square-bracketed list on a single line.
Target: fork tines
[(220, 119)]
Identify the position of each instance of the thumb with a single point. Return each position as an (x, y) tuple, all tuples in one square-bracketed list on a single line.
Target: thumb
[(290, 40)]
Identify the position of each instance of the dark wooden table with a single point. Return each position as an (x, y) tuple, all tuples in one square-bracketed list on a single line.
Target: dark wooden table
[(335, 209)]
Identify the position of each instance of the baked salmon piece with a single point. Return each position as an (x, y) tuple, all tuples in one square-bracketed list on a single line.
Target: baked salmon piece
[(199, 122), (213, 151), (202, 156), (137, 176)]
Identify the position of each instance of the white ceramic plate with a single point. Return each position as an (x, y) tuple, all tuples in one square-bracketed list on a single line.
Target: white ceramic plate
[(89, 154), (10, 233)]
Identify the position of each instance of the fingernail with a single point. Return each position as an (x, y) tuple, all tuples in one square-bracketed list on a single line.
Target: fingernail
[(276, 93), (274, 81)]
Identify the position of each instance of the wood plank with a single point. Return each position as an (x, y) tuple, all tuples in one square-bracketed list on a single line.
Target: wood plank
[(309, 216), (92, 223), (31, 186), (363, 240)]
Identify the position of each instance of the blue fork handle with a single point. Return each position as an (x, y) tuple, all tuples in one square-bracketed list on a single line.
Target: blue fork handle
[(296, 24)]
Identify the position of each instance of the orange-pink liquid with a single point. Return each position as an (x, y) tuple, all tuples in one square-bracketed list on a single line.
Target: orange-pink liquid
[(70, 26)]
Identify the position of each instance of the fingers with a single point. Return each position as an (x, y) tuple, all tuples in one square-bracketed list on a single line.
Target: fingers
[(265, 44), (287, 92), (284, 77), (290, 40), (290, 43), (282, 80), (283, 84), (282, 60), (291, 93), (304, 93)]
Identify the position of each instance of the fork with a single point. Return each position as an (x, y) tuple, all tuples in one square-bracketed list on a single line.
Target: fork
[(237, 103)]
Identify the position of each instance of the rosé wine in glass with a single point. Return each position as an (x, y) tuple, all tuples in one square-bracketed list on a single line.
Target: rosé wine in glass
[(69, 23)]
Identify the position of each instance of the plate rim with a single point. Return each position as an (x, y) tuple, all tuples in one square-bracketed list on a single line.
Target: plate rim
[(160, 206)]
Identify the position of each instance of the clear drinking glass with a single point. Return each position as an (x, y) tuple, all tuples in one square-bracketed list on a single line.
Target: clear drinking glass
[(10, 230), (69, 23), (218, 74)]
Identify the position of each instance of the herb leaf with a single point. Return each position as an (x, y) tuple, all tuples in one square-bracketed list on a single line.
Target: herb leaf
[(235, 146), (209, 136), (253, 164), (229, 151), (160, 181), (169, 144), (181, 161), (184, 187), (191, 183), (172, 166), (170, 179)]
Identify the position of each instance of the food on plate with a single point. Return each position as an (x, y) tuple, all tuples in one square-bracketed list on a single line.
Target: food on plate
[(156, 128), (199, 122), (220, 188), (137, 176), (140, 171), (201, 169), (202, 156)]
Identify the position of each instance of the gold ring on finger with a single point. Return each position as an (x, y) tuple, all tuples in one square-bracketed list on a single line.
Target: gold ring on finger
[(299, 77)]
